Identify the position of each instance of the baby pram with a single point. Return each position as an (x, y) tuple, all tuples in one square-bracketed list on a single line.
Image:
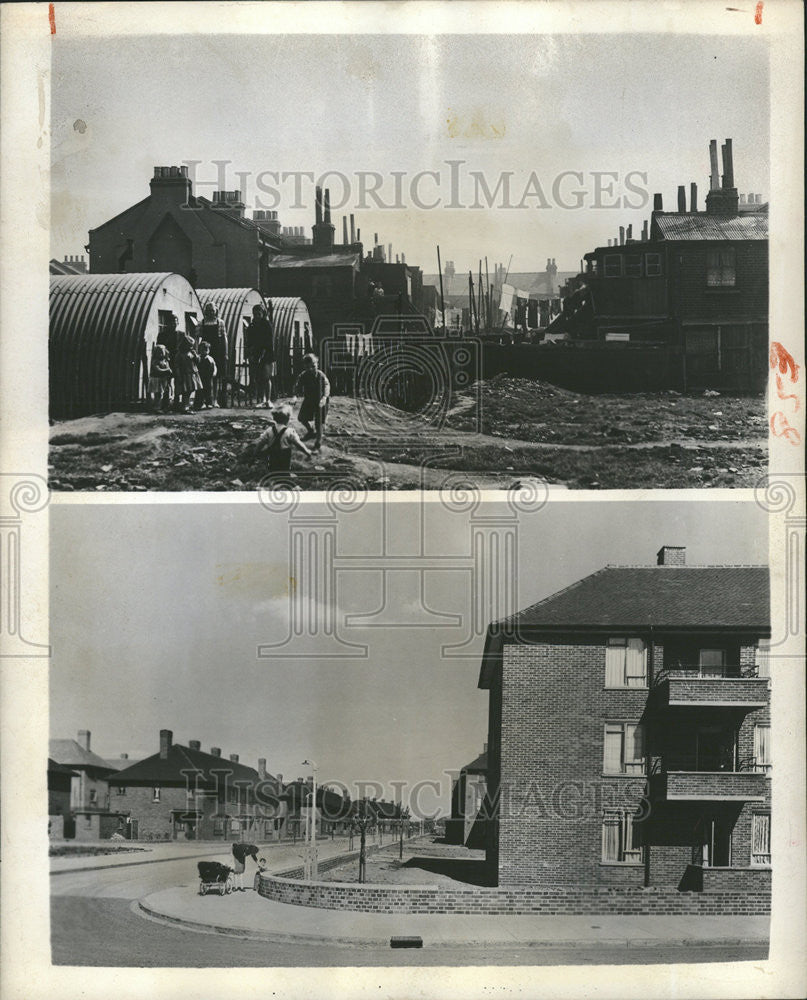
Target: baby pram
[(214, 877)]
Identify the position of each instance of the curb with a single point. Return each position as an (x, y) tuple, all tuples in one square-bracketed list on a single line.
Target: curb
[(365, 942)]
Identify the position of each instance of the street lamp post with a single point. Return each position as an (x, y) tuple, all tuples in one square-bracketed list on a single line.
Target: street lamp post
[(312, 824)]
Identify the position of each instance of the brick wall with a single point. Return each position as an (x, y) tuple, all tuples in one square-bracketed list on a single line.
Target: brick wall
[(554, 709), (509, 901), (153, 818)]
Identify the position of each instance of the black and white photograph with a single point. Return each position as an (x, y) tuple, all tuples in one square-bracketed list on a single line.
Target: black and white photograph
[(387, 257), (402, 511)]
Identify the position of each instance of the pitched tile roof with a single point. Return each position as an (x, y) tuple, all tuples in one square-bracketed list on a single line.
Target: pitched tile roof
[(173, 768), (479, 765), (324, 260), (703, 226), (72, 754), (662, 596)]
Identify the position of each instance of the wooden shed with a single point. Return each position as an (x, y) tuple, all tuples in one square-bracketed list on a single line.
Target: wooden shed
[(102, 330)]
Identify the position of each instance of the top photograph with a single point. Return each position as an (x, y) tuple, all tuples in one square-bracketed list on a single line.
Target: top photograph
[(409, 262)]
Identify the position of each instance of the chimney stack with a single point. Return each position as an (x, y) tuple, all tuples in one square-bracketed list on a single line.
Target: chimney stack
[(671, 555), (84, 739), (714, 180), (234, 758), (344, 230), (658, 203), (166, 740), (318, 206), (621, 235), (327, 219), (194, 745), (485, 747), (728, 165), (323, 232), (682, 199), (645, 234), (693, 197), (262, 768), (628, 235), (352, 229), (215, 751)]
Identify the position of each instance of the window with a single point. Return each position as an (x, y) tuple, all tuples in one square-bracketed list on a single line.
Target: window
[(626, 663), (613, 265), (121, 789), (652, 265), (155, 794), (712, 662), (721, 268), (762, 749), (93, 797), (620, 838), (762, 658), (761, 839), (633, 265), (623, 748)]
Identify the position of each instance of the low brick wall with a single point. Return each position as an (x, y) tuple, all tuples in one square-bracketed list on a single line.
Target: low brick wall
[(526, 899)]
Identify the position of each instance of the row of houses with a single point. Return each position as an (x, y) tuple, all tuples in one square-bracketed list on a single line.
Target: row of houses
[(182, 792), (629, 739)]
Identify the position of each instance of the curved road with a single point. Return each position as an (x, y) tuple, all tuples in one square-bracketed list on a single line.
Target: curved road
[(95, 922)]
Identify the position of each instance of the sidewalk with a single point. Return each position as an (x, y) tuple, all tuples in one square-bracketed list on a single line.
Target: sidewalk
[(173, 850), (246, 914)]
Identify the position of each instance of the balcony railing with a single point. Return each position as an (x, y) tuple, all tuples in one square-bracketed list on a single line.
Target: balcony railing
[(714, 777), (725, 686)]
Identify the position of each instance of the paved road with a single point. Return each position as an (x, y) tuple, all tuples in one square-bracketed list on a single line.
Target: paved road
[(98, 931), (95, 922)]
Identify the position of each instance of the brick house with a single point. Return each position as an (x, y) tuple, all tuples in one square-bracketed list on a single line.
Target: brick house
[(695, 282), (89, 816), (181, 792), (468, 793), (629, 731), (60, 780)]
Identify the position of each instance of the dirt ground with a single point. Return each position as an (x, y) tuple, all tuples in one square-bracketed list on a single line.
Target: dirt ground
[(497, 434), (426, 861)]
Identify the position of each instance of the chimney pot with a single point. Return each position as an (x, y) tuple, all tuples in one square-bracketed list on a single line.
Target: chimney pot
[(166, 739), (693, 197), (279, 779), (194, 745), (682, 199), (671, 555), (714, 182), (124, 756), (84, 738), (658, 203), (621, 235), (234, 758), (215, 751)]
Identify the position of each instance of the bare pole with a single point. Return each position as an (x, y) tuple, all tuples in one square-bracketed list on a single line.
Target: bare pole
[(442, 297), (490, 311)]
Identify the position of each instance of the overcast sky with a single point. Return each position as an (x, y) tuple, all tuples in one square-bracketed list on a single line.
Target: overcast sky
[(157, 611), (546, 104)]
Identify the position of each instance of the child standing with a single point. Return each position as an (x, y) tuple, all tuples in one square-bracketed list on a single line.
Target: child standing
[(207, 373), (186, 373), (315, 388), (160, 376)]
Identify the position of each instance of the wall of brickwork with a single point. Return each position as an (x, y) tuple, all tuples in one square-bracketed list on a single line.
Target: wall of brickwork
[(509, 901), (153, 818), (741, 880), (554, 709)]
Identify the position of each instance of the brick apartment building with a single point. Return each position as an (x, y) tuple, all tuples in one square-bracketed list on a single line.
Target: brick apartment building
[(181, 792), (468, 794), (629, 732)]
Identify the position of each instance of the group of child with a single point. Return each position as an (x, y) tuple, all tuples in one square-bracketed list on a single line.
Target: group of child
[(189, 365)]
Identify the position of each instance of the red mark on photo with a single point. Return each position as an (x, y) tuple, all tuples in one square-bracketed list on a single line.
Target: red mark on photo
[(780, 427), (783, 360), (758, 13), (52, 18)]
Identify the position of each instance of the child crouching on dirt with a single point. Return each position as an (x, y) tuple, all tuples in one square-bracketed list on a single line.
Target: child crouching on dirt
[(277, 442)]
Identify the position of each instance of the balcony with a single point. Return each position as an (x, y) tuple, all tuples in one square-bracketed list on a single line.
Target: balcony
[(683, 778), (725, 687)]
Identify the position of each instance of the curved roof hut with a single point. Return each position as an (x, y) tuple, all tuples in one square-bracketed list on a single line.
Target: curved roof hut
[(102, 330), (293, 337), (234, 306)]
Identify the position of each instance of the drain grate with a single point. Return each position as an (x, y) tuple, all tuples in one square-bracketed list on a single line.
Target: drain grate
[(404, 941)]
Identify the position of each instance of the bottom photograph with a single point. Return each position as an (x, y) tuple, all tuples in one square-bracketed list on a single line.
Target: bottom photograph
[(432, 732)]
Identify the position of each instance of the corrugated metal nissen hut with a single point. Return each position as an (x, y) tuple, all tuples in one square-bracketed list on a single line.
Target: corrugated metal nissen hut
[(102, 330)]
